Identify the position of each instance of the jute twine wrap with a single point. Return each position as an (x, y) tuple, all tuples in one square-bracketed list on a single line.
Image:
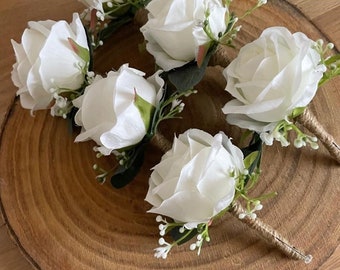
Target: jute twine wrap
[(309, 121), (270, 234), (264, 230)]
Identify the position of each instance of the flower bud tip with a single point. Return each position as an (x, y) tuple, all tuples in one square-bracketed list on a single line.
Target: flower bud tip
[(308, 259)]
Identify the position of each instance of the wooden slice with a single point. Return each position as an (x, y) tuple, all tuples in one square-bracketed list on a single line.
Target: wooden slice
[(62, 218)]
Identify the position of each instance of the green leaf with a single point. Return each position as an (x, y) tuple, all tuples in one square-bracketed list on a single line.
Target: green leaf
[(245, 135), (82, 52), (254, 161), (297, 111), (254, 145), (145, 109), (249, 160), (124, 175), (186, 77)]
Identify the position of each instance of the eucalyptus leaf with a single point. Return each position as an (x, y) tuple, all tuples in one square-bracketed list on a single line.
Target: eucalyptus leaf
[(124, 175), (254, 161), (186, 77), (249, 160)]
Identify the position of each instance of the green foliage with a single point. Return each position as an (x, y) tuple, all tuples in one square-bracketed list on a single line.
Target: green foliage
[(297, 111), (188, 76), (82, 52), (126, 173), (145, 109)]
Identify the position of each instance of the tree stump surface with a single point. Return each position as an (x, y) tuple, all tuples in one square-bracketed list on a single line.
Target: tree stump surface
[(61, 218)]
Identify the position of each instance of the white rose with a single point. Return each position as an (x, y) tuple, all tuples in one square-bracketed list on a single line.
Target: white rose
[(109, 111), (46, 61), (194, 182), (271, 77), (174, 30)]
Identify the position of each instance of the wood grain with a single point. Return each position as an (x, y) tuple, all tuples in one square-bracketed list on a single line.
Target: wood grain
[(62, 219)]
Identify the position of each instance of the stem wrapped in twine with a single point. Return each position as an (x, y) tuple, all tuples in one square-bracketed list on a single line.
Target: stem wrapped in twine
[(306, 119), (309, 121), (270, 234), (264, 230)]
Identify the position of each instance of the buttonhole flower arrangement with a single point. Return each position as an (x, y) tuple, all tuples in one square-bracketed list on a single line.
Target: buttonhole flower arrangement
[(273, 80), (200, 177), (52, 65), (196, 182)]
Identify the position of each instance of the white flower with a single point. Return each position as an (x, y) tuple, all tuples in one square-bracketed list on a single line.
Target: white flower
[(271, 77), (46, 61), (101, 6), (94, 4), (175, 29), (110, 111), (193, 183)]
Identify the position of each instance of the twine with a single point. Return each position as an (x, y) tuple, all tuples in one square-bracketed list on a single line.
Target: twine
[(309, 121), (270, 234), (161, 142)]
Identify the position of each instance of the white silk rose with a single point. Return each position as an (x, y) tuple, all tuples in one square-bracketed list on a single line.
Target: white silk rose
[(196, 179), (47, 61), (177, 28), (116, 111), (272, 76)]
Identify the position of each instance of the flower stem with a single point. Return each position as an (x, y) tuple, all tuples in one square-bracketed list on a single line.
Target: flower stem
[(309, 121), (270, 234), (161, 142)]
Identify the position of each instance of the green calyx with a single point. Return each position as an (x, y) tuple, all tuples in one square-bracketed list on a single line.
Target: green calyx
[(145, 109)]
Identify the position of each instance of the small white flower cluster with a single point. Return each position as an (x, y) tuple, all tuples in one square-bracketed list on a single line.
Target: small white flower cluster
[(268, 138), (178, 105), (319, 46), (280, 133), (165, 247), (251, 213), (301, 141), (200, 240), (61, 107), (261, 2)]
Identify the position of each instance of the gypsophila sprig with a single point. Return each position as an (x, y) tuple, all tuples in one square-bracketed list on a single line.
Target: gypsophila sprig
[(281, 131), (181, 234), (332, 62), (251, 10)]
